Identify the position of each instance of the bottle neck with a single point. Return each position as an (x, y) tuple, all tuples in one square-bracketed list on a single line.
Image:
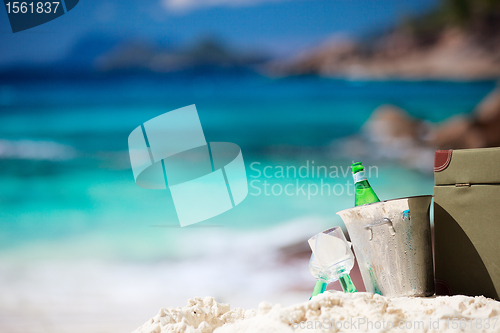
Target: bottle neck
[(364, 193), (359, 176)]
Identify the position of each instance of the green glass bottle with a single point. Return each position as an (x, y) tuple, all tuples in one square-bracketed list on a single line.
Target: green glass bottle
[(364, 192)]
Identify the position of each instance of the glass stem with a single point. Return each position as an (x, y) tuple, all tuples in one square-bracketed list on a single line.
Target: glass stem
[(319, 287), (346, 283)]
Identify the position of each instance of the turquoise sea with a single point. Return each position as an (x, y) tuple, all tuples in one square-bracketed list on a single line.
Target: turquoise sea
[(65, 173), (78, 237)]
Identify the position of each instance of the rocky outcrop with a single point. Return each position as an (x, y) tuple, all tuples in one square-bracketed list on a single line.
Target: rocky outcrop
[(454, 55), (487, 119), (480, 129), (392, 134)]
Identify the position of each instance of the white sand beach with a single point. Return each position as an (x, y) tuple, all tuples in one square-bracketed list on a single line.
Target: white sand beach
[(334, 311)]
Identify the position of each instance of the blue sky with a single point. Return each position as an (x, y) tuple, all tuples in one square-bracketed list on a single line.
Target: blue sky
[(275, 27)]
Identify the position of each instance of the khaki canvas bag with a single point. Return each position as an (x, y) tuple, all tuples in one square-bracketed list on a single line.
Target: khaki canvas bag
[(467, 222)]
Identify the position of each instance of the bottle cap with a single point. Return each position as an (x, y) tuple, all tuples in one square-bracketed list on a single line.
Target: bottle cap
[(358, 166)]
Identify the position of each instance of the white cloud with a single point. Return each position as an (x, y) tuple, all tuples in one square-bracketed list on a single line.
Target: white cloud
[(188, 5)]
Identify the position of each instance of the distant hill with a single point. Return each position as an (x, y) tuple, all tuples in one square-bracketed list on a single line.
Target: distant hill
[(100, 56), (205, 53), (458, 41)]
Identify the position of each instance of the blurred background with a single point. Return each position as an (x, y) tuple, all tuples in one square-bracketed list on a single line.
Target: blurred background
[(294, 83)]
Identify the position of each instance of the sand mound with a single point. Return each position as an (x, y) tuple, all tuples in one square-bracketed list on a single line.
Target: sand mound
[(334, 312), (199, 316)]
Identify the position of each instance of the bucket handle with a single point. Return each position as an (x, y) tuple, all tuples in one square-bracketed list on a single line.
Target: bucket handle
[(385, 220)]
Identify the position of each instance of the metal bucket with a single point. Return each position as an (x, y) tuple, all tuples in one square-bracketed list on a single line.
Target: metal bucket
[(392, 244)]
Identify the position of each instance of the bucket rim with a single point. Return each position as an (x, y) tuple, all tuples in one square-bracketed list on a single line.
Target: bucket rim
[(380, 202)]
